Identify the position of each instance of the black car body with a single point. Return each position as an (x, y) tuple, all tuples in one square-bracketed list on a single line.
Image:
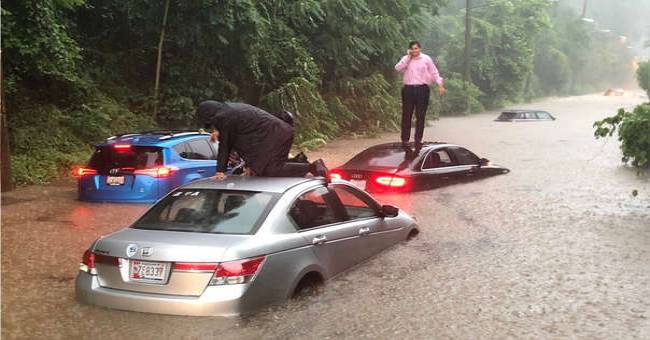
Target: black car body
[(524, 116), (392, 167)]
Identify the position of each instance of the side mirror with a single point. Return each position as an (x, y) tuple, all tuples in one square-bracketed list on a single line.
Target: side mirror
[(389, 211), (483, 162)]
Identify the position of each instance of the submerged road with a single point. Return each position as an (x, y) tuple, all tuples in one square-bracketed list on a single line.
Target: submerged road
[(558, 248)]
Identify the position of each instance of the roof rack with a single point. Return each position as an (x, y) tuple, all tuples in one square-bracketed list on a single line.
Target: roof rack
[(165, 134)]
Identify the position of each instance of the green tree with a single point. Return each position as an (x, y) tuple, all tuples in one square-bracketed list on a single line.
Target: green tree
[(643, 76)]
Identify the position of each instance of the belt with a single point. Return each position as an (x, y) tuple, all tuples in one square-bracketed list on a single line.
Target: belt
[(420, 85)]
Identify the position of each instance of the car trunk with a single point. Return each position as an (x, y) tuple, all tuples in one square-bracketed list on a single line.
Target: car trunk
[(161, 262), (125, 168)]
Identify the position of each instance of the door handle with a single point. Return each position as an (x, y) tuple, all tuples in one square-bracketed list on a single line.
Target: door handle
[(200, 171), (364, 231), (319, 239)]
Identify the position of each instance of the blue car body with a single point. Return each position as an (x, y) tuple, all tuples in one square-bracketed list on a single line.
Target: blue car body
[(141, 168)]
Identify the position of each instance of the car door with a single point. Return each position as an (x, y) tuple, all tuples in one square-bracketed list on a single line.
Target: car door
[(439, 168), (361, 210), (320, 220), (467, 160), (204, 159)]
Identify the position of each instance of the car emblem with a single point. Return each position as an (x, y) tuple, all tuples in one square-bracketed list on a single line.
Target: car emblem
[(147, 251), (131, 249), (114, 171)]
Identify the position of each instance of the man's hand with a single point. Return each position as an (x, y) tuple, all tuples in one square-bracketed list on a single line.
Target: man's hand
[(219, 176), (441, 90)]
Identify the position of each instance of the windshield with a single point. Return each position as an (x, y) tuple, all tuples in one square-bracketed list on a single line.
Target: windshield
[(208, 211), (508, 115), (106, 158)]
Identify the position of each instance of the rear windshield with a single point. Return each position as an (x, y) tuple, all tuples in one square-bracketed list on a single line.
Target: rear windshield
[(381, 158), (106, 158), (508, 115), (208, 211)]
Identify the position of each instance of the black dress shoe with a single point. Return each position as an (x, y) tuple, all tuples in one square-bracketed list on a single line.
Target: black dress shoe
[(319, 168)]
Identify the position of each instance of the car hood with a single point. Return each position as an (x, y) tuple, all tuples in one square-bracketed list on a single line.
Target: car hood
[(168, 245)]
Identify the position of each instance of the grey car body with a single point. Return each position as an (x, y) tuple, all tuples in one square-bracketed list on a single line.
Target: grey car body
[(524, 116), (308, 230)]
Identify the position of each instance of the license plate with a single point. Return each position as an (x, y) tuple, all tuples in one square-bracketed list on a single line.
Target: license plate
[(115, 180), (148, 271), (359, 183)]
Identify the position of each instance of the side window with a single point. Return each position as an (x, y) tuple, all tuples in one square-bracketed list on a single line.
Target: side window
[(313, 209), (543, 115), (201, 149), (356, 205), (183, 150), (437, 159), (465, 157)]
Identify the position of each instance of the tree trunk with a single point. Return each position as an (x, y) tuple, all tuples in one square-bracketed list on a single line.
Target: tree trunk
[(7, 183), (159, 61), (468, 50)]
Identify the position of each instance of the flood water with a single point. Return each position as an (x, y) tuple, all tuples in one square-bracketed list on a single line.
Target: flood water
[(557, 248)]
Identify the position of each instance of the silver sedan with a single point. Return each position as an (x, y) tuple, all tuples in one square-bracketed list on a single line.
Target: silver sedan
[(230, 247)]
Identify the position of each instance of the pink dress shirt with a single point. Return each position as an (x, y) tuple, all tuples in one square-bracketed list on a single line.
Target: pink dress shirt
[(418, 71)]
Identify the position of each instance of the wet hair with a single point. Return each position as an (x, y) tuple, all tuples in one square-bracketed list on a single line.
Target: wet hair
[(414, 42)]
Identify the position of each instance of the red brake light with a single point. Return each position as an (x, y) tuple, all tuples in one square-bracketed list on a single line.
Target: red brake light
[(336, 174), (83, 171), (88, 263), (236, 272), (196, 266), (122, 147), (160, 172), (391, 181)]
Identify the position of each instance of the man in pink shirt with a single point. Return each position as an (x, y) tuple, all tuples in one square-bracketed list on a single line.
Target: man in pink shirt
[(418, 72)]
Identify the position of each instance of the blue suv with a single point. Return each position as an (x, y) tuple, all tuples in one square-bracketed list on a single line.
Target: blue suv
[(143, 167)]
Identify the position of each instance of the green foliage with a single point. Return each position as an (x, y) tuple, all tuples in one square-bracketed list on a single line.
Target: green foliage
[(643, 76), (454, 102), (313, 122), (633, 133)]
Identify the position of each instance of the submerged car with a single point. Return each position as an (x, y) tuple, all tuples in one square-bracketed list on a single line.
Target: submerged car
[(392, 167), (143, 167), (229, 247), (524, 116), (614, 92)]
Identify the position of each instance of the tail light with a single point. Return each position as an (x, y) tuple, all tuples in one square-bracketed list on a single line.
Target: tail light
[(391, 181), (122, 147), (236, 272), (336, 174), (83, 171), (88, 263), (159, 172), (89, 260)]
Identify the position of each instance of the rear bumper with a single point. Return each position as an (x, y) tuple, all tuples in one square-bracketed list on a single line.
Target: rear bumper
[(215, 300)]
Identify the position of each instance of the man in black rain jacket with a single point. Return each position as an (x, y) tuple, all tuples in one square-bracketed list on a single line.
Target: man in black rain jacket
[(261, 139)]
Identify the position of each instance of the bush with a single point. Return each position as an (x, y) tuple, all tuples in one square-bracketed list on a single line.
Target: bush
[(314, 123), (643, 76), (633, 132), (454, 101), (46, 140)]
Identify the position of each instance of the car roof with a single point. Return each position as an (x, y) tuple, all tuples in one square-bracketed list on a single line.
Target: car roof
[(162, 138), (521, 111), (396, 146), (248, 183)]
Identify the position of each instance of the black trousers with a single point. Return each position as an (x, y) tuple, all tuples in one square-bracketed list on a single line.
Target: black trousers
[(414, 98), (279, 166)]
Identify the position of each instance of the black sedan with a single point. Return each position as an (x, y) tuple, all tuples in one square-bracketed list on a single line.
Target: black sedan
[(393, 167)]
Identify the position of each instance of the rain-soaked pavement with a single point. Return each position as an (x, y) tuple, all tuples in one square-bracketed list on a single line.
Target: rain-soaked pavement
[(557, 248)]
